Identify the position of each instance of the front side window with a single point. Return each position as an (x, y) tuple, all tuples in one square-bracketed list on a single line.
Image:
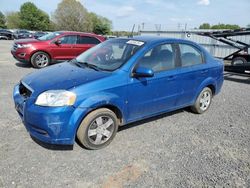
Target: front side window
[(190, 55), (49, 36), (69, 39), (88, 40), (111, 54), (160, 58)]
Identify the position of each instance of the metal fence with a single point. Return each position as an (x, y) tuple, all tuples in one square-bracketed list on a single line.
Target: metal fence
[(215, 47)]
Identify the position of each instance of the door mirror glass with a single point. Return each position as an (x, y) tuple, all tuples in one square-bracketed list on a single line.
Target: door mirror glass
[(58, 42), (143, 72)]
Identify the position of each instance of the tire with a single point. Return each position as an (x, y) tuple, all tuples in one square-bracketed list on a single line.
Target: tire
[(238, 61), (203, 101), (40, 60), (98, 129)]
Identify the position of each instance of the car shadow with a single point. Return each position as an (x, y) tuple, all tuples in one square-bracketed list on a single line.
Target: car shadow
[(237, 77), (141, 122), (23, 65), (54, 147), (147, 120)]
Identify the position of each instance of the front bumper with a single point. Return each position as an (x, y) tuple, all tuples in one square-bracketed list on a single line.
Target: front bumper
[(20, 56), (53, 125)]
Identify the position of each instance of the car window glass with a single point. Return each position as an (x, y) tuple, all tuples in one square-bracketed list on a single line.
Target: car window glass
[(111, 54), (160, 58), (189, 55), (88, 40), (70, 39)]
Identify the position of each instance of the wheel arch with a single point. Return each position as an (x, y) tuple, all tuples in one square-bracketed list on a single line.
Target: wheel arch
[(44, 51), (210, 83)]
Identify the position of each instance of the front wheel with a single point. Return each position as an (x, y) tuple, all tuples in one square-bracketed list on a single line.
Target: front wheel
[(98, 129), (203, 101), (40, 60)]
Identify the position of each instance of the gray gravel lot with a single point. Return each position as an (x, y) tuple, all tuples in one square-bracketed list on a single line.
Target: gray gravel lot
[(178, 149)]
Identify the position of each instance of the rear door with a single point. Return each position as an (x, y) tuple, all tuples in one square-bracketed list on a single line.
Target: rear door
[(65, 50), (84, 43), (191, 73)]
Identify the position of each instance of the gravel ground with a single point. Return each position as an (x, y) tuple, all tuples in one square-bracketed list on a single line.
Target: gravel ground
[(178, 149)]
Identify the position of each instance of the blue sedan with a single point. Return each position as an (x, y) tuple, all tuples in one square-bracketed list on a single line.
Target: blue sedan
[(115, 83)]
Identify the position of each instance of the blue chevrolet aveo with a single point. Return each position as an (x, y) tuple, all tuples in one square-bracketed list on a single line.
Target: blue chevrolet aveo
[(115, 83)]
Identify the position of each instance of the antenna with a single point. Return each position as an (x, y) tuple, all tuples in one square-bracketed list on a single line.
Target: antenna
[(132, 32)]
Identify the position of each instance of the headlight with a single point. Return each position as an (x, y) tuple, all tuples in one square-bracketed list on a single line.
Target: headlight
[(55, 98), (24, 45)]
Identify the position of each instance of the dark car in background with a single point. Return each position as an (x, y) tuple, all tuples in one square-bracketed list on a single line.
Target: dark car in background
[(22, 34), (6, 34), (54, 47), (39, 34)]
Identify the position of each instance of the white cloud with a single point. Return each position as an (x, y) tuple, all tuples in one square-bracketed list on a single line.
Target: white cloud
[(125, 11), (204, 2)]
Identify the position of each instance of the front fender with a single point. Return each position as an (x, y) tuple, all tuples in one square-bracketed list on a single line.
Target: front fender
[(102, 99)]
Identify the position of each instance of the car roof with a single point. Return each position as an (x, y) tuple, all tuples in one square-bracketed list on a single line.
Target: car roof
[(159, 39), (75, 32)]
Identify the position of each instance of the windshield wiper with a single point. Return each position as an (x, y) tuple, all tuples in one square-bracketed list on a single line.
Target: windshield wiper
[(86, 64)]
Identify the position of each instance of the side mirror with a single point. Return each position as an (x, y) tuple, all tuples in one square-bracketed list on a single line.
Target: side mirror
[(143, 72), (58, 42)]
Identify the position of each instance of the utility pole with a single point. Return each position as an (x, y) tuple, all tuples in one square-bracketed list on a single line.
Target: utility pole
[(143, 24), (178, 26)]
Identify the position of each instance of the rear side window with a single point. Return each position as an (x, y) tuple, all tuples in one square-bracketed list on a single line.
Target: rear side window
[(190, 55), (160, 58), (69, 39), (87, 40)]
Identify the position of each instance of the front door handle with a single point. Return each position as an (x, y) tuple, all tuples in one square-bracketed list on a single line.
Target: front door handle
[(204, 71), (171, 77)]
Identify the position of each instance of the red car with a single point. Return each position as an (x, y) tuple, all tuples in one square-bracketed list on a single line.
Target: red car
[(54, 47)]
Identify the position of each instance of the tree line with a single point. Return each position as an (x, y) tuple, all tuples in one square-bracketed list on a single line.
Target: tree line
[(220, 26), (69, 15)]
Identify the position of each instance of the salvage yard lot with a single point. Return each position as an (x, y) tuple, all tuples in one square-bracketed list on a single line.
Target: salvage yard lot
[(178, 149)]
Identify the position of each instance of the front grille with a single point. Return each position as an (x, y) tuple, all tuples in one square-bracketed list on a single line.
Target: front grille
[(14, 47), (24, 91)]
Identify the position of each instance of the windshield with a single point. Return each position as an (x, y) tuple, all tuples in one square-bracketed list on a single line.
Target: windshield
[(49, 36), (111, 54)]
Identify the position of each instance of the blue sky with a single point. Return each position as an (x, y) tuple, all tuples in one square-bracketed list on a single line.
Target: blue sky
[(169, 13)]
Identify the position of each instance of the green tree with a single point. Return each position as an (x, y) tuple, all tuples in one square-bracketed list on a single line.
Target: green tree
[(225, 26), (33, 18), (70, 15), (13, 20), (98, 24), (248, 25), (205, 26), (2, 20)]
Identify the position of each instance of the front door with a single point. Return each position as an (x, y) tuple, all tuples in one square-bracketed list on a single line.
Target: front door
[(66, 49), (149, 96)]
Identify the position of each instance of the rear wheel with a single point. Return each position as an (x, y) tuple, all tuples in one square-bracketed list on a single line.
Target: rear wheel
[(238, 61), (203, 101), (98, 129), (40, 60)]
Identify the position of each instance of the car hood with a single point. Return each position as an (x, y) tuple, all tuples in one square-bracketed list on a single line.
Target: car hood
[(26, 41), (61, 76)]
